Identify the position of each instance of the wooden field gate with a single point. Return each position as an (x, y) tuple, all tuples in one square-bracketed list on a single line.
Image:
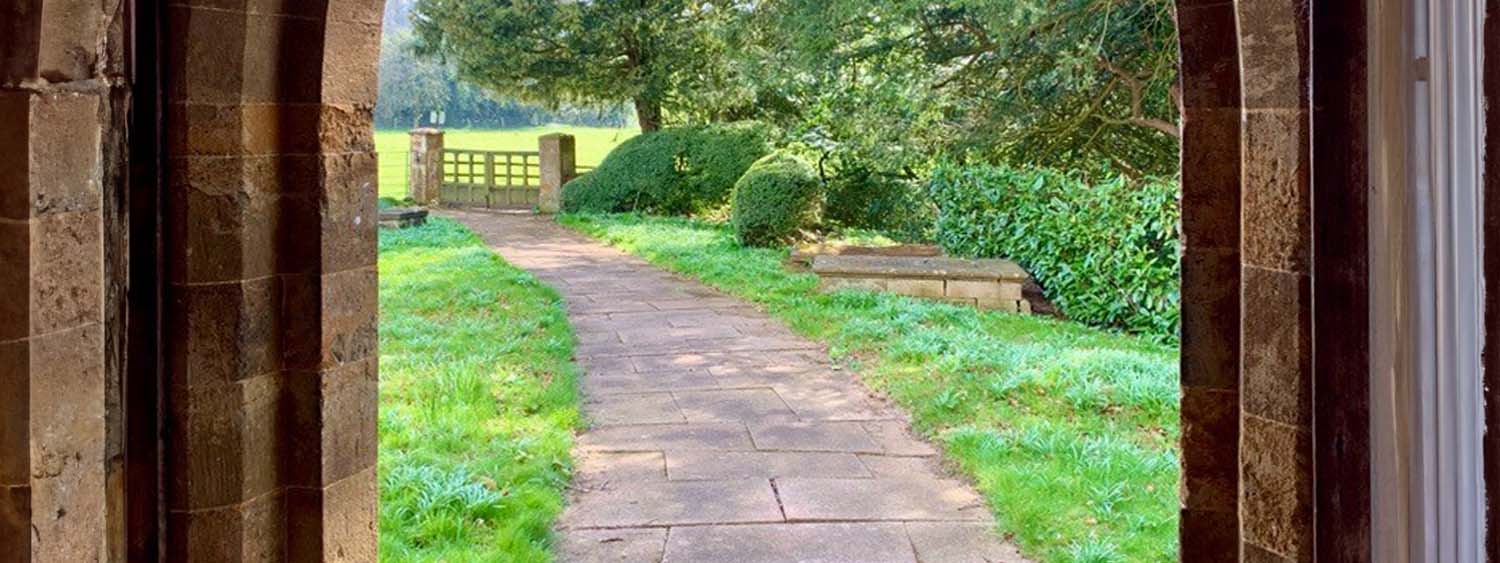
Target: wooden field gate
[(490, 179)]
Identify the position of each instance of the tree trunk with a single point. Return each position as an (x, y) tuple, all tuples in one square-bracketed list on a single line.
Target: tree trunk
[(648, 113)]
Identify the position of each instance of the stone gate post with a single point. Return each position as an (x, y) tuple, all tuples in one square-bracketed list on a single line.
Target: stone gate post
[(559, 164), (424, 177)]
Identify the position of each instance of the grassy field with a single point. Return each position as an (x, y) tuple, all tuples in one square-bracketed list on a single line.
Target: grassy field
[(593, 144), (478, 401), (1069, 432)]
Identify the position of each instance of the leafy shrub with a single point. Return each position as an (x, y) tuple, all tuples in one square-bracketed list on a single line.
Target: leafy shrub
[(628, 175), (775, 198), (863, 199), (675, 171), (1106, 253)]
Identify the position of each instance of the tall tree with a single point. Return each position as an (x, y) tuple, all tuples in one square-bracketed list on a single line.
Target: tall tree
[(1084, 85), (409, 86), (654, 54)]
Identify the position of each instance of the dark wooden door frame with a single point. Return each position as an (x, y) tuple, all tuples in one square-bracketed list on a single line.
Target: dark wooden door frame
[(142, 396), (1341, 282)]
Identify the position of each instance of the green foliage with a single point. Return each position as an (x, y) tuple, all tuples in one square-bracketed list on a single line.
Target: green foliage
[(775, 198), (1069, 432), (412, 86), (660, 55), (675, 171), (859, 198), (1084, 85), (1107, 252), (478, 401)]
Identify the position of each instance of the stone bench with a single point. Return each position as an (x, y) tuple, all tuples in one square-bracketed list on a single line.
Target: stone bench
[(402, 217), (985, 283)]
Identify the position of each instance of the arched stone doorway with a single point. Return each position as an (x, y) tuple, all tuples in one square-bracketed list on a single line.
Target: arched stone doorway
[(217, 401)]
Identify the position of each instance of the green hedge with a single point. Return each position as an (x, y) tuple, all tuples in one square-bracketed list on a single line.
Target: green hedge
[(675, 171), (1107, 254), (775, 198)]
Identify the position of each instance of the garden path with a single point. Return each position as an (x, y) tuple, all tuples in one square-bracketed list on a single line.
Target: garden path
[(719, 435)]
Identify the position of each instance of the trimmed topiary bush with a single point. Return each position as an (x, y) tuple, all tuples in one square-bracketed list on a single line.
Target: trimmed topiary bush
[(628, 175), (775, 198), (675, 171), (1106, 253)]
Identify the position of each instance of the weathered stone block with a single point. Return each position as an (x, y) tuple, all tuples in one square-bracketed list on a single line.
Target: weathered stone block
[(349, 56), (1210, 181), (1276, 488), (1210, 474), (227, 331), (984, 290), (363, 11), (270, 75), (227, 450), (1211, 318), (225, 237), (208, 65), (66, 401), (241, 533), (915, 287), (71, 38), (350, 209), (1210, 77), (203, 129), (336, 523), (837, 283), (66, 140), (1208, 535), (67, 444), (1010, 305), (67, 271), (1277, 365), (1274, 54), (1276, 200), (330, 424), (345, 129)]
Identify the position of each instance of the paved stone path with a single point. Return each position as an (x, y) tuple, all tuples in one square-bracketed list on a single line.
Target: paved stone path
[(718, 435)]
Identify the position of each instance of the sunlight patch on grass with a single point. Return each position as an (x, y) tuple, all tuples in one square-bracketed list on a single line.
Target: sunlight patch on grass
[(1070, 432), (478, 401)]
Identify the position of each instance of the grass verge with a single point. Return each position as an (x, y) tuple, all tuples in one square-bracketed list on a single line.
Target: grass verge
[(478, 401), (1070, 432)]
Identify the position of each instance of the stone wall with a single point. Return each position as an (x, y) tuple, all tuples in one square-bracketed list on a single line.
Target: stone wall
[(269, 336), (61, 98), (1210, 371), (271, 289)]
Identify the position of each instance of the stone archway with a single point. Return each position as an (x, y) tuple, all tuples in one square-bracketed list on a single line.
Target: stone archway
[(265, 278), (1275, 366), (267, 293)]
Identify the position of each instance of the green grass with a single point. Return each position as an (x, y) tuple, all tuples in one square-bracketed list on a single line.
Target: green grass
[(478, 401), (592, 144), (1070, 432)]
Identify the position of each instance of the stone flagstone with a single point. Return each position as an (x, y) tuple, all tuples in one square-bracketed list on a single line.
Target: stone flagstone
[(719, 435)]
